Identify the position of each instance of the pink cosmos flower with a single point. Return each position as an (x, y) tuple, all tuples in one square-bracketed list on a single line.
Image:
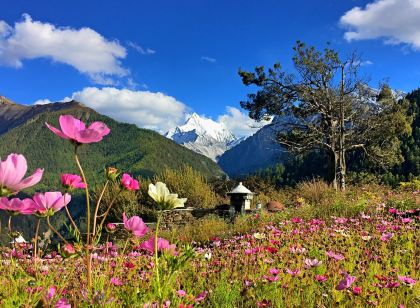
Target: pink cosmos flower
[(273, 278), (200, 297), (345, 283), (408, 280), (72, 181), (116, 281), (135, 225), (46, 204), (357, 290), (68, 250), (12, 171), (129, 183), (406, 220), (386, 236), (163, 244), (293, 272), (16, 206), (181, 293), (321, 278), (75, 130), (62, 303), (312, 263), (335, 256), (274, 271), (51, 292), (393, 211)]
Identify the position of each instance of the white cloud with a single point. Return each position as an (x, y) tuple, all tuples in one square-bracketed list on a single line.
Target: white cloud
[(240, 123), (395, 21), (84, 49), (152, 110), (141, 50), (208, 59), (43, 102)]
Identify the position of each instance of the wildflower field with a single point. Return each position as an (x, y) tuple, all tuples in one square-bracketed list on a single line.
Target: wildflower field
[(359, 255)]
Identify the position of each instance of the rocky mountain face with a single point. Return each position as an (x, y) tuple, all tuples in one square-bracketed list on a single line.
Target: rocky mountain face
[(204, 136), (255, 152)]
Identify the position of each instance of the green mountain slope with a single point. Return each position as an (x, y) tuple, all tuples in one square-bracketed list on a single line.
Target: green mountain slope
[(137, 151)]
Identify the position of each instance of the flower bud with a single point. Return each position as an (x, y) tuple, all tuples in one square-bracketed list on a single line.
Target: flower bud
[(110, 227), (112, 173), (67, 251)]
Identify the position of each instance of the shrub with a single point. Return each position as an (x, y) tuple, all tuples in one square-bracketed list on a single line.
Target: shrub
[(315, 191), (191, 184)]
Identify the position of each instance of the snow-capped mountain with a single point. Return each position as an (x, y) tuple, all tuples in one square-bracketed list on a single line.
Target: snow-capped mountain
[(204, 136)]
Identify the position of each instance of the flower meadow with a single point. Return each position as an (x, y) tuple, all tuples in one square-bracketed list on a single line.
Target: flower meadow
[(270, 260)]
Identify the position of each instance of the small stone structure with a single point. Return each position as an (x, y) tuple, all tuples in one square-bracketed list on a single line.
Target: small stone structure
[(240, 198), (182, 217)]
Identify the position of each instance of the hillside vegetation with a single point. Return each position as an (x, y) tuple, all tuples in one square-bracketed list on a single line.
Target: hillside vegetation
[(134, 150)]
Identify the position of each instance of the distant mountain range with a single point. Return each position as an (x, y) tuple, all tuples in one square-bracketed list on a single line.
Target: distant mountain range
[(132, 149), (204, 136), (255, 152)]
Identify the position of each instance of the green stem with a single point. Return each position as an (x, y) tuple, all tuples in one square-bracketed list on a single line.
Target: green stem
[(88, 254), (55, 231), (104, 215), (95, 215), (10, 224), (82, 173), (157, 257), (35, 257), (71, 220), (125, 245)]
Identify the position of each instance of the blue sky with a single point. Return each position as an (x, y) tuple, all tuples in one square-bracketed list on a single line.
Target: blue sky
[(153, 62)]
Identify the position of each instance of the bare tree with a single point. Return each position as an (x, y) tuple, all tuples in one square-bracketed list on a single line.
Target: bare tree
[(326, 105)]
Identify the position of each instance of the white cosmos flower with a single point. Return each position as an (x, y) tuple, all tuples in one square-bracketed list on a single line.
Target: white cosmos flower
[(163, 197)]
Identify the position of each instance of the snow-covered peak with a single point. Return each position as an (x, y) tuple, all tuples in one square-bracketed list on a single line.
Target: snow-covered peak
[(203, 136), (205, 127)]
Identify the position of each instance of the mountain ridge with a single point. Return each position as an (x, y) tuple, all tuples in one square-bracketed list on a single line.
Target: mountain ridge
[(132, 149), (203, 136)]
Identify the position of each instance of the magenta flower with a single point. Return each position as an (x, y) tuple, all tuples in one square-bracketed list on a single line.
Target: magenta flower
[(200, 297), (293, 272), (334, 255), (357, 290), (386, 236), (321, 278), (116, 281), (274, 271), (68, 250), (181, 293), (129, 183), (75, 130), (135, 225), (72, 181), (62, 303), (273, 278), (163, 244), (408, 280), (345, 283), (16, 206), (12, 171), (50, 202)]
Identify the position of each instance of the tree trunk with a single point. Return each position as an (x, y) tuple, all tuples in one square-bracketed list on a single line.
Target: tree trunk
[(341, 136), (342, 168), (336, 169)]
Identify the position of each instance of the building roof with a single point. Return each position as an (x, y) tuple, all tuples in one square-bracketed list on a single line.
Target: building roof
[(240, 189)]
